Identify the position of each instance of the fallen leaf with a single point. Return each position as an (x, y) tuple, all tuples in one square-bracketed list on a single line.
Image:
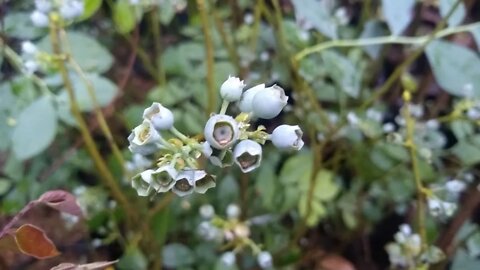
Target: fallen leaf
[(33, 241)]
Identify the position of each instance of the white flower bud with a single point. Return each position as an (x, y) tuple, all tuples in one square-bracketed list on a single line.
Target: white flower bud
[(233, 211), (265, 260), (231, 90), (245, 103), (207, 211), (43, 5), (39, 19), (29, 48), (221, 131), (268, 103), (161, 117), (144, 139), (228, 258), (248, 155), (287, 137)]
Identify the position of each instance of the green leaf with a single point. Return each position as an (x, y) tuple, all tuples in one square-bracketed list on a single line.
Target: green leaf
[(345, 74), (296, 167), (318, 14), (458, 14), (87, 51), (462, 129), (462, 261), (177, 255), (398, 14), (317, 210), (19, 25), (105, 91), (133, 259), (373, 28), (467, 152), (124, 17), (455, 67), (325, 187), (89, 8), (35, 130), (166, 11)]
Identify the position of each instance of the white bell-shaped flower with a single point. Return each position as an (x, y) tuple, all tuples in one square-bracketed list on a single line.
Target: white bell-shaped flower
[(247, 155), (161, 179), (144, 139), (245, 103), (161, 117), (287, 137), (231, 90), (43, 5), (190, 180), (221, 131), (142, 187), (269, 102)]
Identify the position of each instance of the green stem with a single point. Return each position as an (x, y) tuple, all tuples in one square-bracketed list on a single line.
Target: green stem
[(156, 31), (180, 135), (106, 175), (384, 40), (98, 113), (410, 144), (229, 43), (224, 108), (212, 97)]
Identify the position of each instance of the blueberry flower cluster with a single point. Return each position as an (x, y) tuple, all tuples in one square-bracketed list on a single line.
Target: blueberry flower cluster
[(228, 140), (231, 232), (67, 9), (407, 251)]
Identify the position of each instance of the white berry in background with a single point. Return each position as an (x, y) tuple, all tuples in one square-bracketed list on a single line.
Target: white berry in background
[(228, 258), (30, 66), (265, 260), (221, 131), (161, 117), (207, 211), (287, 137), (245, 103), (43, 5), (39, 19), (247, 155), (231, 90), (29, 48), (455, 186), (233, 211), (269, 102), (71, 9)]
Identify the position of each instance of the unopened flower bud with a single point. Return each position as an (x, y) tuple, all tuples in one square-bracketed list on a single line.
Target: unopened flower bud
[(248, 155), (246, 101), (269, 102), (221, 131), (161, 117), (287, 137), (231, 89)]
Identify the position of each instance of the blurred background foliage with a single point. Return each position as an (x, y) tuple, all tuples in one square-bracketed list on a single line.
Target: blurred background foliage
[(386, 92)]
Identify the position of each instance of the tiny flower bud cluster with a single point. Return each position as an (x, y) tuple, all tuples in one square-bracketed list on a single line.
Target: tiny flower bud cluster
[(66, 9), (406, 252), (228, 140), (231, 232)]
